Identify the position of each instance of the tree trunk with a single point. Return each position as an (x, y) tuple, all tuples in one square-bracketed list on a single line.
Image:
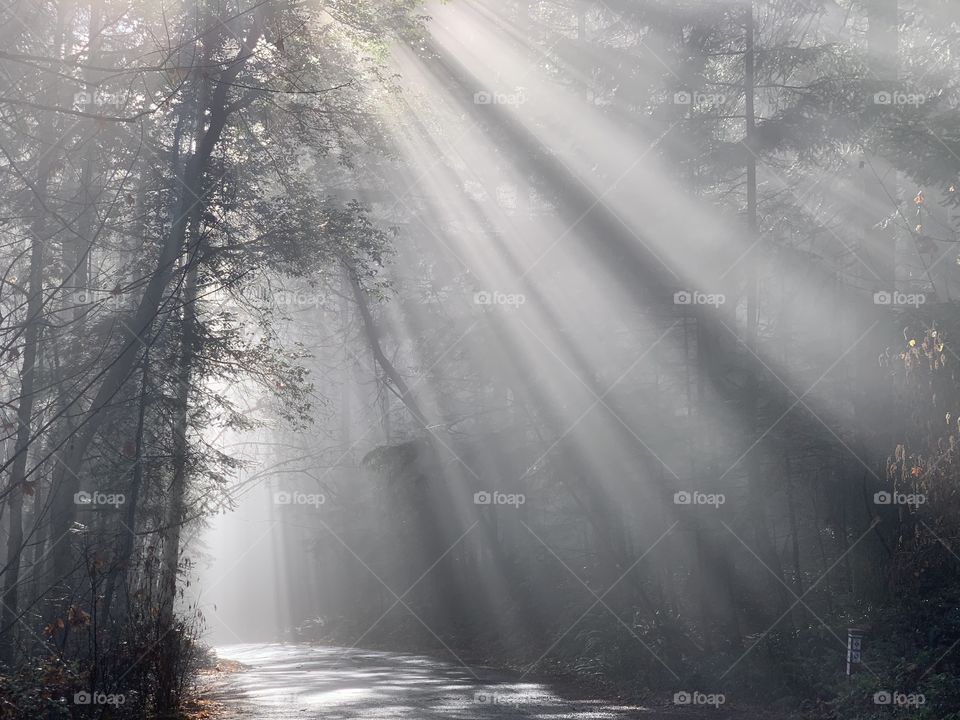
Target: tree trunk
[(121, 564), (18, 486), (765, 548), (137, 332), (176, 511)]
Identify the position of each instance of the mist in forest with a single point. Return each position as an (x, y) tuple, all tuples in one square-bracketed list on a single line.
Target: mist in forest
[(479, 360)]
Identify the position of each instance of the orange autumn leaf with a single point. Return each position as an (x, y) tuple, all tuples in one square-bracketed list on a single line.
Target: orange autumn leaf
[(57, 624)]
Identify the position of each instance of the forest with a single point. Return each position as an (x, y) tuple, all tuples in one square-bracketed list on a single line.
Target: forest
[(480, 359)]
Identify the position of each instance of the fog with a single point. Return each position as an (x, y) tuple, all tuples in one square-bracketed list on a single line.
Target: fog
[(480, 360)]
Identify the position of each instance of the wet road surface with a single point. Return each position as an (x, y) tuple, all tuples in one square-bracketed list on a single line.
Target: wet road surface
[(281, 682)]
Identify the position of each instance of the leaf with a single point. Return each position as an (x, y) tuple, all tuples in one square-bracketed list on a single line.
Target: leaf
[(78, 617), (57, 624)]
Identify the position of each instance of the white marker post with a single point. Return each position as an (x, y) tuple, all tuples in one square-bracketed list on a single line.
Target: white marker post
[(854, 648)]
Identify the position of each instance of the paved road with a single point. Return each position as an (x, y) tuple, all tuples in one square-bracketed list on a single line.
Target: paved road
[(282, 682)]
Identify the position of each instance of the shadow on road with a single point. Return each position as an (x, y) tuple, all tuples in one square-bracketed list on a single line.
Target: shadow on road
[(298, 681)]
